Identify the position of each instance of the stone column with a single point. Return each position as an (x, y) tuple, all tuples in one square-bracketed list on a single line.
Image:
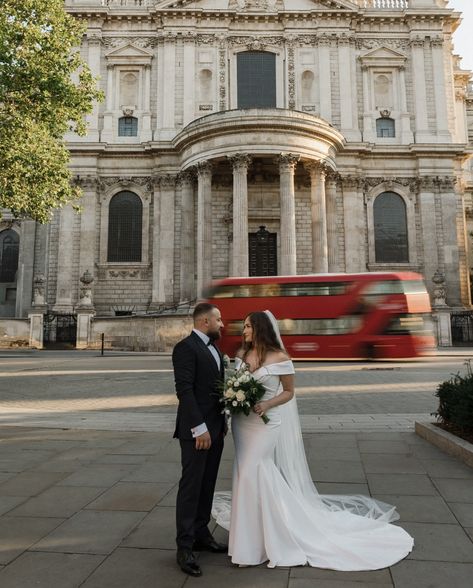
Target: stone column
[(36, 330), (428, 229), (24, 286), (88, 228), (167, 90), (240, 163), (204, 226), (94, 42), (355, 226), (325, 80), (287, 166), (187, 269), (332, 234), (406, 132), (349, 127), (108, 130), (369, 133), (189, 79), (440, 91), (319, 218), (163, 241), (64, 286), (146, 134), (418, 75)]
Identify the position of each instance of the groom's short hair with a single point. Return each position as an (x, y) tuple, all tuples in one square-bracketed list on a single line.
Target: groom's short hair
[(201, 309)]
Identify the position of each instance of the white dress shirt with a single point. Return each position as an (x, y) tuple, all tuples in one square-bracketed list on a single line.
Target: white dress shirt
[(201, 429)]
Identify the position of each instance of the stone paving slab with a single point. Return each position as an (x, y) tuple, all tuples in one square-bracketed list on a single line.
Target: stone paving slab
[(121, 533), (49, 570), (431, 574)]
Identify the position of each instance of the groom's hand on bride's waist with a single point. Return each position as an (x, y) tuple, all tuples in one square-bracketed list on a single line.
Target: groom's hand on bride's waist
[(203, 441)]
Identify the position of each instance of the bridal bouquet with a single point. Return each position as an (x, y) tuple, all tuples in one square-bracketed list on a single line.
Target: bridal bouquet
[(240, 392)]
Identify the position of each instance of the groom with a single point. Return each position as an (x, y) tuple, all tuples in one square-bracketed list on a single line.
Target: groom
[(200, 428)]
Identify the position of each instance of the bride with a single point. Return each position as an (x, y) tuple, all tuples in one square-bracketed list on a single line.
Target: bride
[(274, 513)]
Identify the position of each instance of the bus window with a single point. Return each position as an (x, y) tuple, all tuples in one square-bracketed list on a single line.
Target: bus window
[(306, 327), (410, 324), (272, 289)]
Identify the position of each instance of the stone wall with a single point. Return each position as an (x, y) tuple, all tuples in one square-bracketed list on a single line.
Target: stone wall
[(14, 333)]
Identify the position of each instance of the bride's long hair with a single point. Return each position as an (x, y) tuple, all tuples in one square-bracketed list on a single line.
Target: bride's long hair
[(264, 338)]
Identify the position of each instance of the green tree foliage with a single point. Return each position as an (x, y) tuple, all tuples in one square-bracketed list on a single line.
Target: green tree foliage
[(45, 90)]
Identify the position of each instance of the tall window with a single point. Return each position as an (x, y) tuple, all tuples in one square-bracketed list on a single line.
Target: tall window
[(9, 251), (390, 229), (385, 127), (124, 227), (128, 126), (256, 77)]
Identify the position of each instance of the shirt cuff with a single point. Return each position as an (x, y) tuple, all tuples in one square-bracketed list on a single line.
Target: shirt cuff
[(200, 430)]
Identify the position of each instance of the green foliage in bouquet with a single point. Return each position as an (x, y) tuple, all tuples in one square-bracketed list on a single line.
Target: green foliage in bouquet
[(456, 400), (240, 392)]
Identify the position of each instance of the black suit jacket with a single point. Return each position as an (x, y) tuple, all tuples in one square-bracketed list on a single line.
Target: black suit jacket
[(196, 375)]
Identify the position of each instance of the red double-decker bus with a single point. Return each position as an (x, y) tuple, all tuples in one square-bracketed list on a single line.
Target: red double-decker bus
[(332, 316)]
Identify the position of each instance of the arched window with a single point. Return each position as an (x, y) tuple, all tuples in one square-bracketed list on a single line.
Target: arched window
[(9, 251), (390, 229), (124, 227), (128, 126), (385, 127), (256, 77)]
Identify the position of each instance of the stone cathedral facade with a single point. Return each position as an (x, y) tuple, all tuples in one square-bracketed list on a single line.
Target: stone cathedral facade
[(241, 137)]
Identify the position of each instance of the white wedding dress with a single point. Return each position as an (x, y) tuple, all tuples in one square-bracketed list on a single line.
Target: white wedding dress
[(274, 513)]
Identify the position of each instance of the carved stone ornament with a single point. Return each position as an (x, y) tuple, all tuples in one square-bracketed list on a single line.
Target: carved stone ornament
[(141, 42), (256, 5), (385, 113), (288, 161), (105, 183), (128, 110), (256, 43), (240, 161), (86, 280), (39, 283), (440, 293), (374, 43), (390, 183), (291, 77)]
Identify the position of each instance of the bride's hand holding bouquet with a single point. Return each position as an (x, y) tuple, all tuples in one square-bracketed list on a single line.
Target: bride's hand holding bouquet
[(240, 393)]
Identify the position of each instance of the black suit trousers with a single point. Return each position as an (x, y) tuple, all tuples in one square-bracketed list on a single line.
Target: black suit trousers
[(196, 490)]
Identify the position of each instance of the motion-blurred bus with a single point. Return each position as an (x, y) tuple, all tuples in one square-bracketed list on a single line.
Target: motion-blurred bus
[(340, 316)]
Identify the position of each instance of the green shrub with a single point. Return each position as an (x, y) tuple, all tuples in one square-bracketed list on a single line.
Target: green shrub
[(456, 400)]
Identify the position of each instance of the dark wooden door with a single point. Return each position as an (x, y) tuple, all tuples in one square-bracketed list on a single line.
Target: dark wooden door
[(263, 253)]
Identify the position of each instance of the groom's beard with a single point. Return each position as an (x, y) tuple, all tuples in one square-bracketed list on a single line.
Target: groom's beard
[(214, 335)]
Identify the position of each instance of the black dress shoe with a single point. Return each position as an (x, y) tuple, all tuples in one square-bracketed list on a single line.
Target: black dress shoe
[(187, 563), (210, 545)]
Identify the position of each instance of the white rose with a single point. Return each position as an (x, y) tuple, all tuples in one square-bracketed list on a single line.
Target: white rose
[(234, 403), (240, 396), (236, 384), (229, 393)]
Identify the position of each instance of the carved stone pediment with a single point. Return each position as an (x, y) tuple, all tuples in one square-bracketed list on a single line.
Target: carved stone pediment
[(381, 56), (129, 53), (258, 5)]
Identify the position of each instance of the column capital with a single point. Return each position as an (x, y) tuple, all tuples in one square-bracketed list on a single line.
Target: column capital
[(204, 169), (187, 176), (240, 161), (288, 161), (166, 180), (316, 169)]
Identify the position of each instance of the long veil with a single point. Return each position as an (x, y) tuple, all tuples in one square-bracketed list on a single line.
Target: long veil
[(291, 461)]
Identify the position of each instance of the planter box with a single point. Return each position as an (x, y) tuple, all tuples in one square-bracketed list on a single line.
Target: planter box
[(447, 442)]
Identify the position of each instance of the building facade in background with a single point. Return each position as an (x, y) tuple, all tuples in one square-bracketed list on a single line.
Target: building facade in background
[(249, 137)]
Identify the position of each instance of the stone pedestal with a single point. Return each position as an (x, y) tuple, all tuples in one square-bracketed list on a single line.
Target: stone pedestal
[(319, 218), (36, 330), (444, 328), (84, 328)]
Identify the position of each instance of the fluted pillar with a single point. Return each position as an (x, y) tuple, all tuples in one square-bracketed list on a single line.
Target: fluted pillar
[(94, 42), (187, 269), (287, 166), (332, 234), (240, 163), (204, 225), (64, 260), (420, 92), (319, 218), (88, 229)]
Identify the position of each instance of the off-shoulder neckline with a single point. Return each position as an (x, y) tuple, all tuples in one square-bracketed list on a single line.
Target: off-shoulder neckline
[(267, 364)]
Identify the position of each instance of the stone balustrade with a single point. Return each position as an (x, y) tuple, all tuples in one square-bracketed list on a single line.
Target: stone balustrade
[(384, 4)]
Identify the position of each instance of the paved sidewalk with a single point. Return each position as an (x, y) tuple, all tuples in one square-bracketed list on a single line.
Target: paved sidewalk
[(95, 509)]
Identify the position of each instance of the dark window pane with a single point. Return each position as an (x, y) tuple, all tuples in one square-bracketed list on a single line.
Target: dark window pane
[(273, 289), (390, 229), (256, 75), (128, 126), (9, 251), (385, 127), (124, 227)]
